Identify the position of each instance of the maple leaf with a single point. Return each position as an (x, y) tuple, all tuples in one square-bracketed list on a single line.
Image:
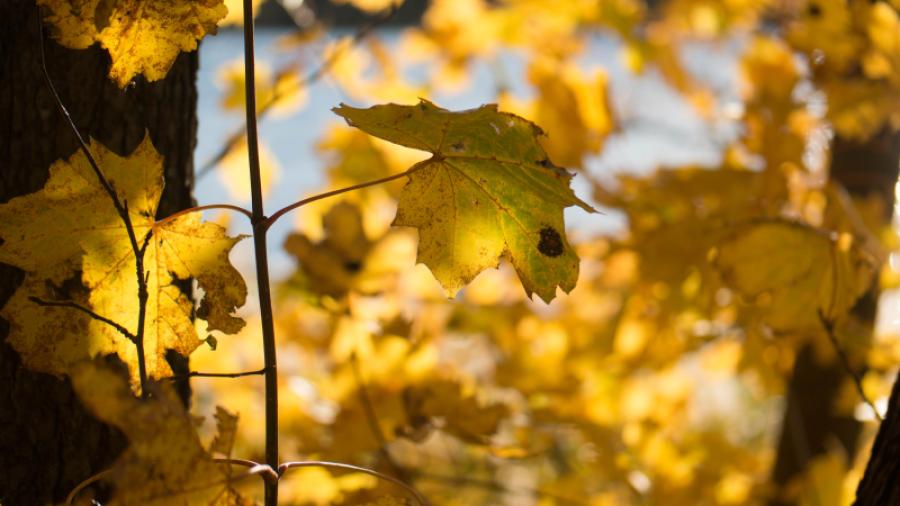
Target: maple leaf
[(70, 231), (488, 190), (165, 463), (142, 37), (794, 273)]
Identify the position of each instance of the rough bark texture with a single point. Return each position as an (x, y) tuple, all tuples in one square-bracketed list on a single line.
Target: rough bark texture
[(881, 481), (810, 425), (48, 443)]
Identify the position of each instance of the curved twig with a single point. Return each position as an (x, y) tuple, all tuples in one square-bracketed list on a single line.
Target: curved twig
[(84, 484), (121, 206), (284, 210), (189, 210)]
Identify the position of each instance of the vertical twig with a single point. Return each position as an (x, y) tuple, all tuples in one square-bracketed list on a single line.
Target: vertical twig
[(262, 264), (121, 206)]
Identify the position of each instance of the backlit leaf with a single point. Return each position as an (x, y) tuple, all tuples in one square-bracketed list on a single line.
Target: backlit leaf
[(70, 231), (488, 190), (164, 464), (142, 37)]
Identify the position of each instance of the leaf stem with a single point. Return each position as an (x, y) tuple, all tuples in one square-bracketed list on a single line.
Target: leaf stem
[(284, 210), (74, 305), (120, 205), (258, 218), (197, 209)]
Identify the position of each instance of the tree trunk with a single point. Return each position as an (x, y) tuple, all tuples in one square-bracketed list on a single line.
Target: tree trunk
[(48, 442), (881, 481), (810, 424)]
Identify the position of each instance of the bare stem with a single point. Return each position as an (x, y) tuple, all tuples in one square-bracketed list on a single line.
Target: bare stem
[(284, 210), (258, 218), (74, 305), (120, 205), (197, 209), (195, 374), (828, 325), (308, 80)]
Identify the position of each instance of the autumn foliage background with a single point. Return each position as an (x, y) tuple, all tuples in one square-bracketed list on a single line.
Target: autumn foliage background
[(730, 338)]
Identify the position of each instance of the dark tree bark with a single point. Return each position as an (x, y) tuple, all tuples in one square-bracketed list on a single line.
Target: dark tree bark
[(810, 424), (881, 481), (48, 442)]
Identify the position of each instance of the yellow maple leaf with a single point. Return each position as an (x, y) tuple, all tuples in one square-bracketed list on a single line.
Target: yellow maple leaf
[(793, 273), (165, 463), (488, 190), (69, 232), (142, 37)]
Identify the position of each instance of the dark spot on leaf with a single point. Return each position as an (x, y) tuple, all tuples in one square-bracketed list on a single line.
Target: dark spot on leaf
[(551, 243), (457, 147), (352, 266), (814, 10), (545, 163)]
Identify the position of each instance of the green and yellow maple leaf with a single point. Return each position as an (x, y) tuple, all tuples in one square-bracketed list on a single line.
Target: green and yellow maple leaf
[(794, 273), (74, 248), (165, 463), (488, 190), (142, 36)]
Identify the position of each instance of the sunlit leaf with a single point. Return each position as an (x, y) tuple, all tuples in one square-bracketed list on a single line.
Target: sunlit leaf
[(489, 190), (69, 232), (141, 37)]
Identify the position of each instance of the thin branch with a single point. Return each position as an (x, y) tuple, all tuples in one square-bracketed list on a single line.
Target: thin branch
[(828, 325), (497, 487), (372, 418), (258, 219), (73, 305), (197, 209), (121, 207), (308, 80), (84, 484), (349, 467), (196, 374), (264, 470), (284, 210)]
